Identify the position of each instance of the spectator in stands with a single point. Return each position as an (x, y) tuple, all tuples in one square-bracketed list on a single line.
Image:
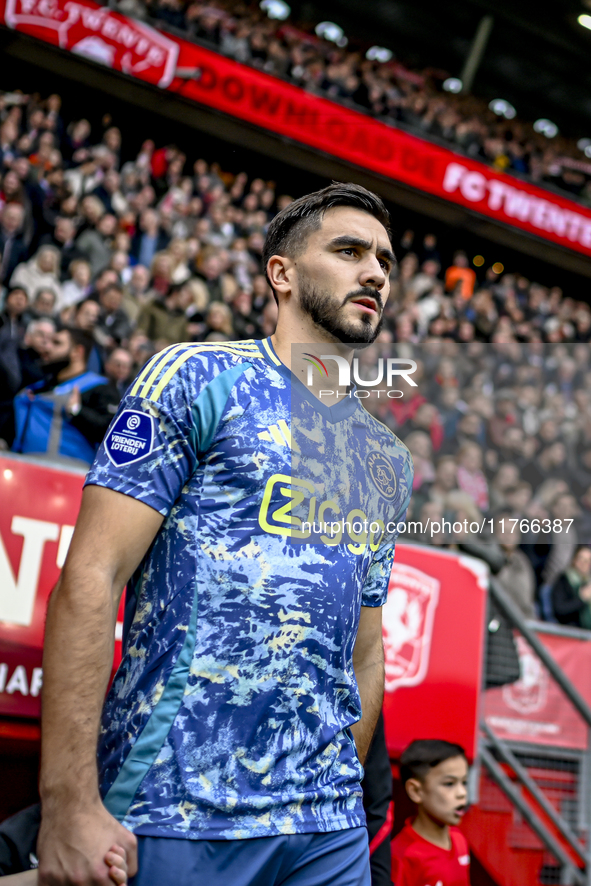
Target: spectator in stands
[(12, 318), (113, 326), (91, 411), (164, 321), (218, 321), (77, 286), (41, 271), (461, 276), (95, 244), (44, 411), (571, 593), (150, 239), (21, 363), (119, 370), (217, 284), (516, 577), (63, 238), (12, 243), (243, 318), (446, 479), (36, 350), (471, 478), (136, 293), (44, 304), (505, 479)]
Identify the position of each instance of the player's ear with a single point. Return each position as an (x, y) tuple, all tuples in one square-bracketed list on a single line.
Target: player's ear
[(279, 271), (414, 789)]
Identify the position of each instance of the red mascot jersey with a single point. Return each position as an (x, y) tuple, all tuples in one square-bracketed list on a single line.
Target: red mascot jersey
[(416, 862)]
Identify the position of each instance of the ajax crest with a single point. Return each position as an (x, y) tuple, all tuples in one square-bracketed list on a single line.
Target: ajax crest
[(408, 625), (381, 470)]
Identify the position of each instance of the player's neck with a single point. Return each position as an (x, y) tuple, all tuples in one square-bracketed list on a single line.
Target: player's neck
[(301, 331), (431, 830), (298, 342)]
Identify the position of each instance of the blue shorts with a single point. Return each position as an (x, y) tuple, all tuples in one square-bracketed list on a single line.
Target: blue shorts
[(339, 858)]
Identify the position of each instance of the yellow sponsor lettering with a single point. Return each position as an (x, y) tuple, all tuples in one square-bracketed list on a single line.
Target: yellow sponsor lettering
[(279, 519), (282, 514)]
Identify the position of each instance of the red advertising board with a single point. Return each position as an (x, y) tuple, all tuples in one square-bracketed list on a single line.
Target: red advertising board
[(99, 34), (38, 509), (434, 647), (210, 79), (534, 709)]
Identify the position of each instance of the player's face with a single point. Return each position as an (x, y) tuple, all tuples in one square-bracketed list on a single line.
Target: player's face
[(343, 275), (444, 791)]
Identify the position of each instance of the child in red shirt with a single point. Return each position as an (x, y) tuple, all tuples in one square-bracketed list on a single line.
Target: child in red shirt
[(430, 851)]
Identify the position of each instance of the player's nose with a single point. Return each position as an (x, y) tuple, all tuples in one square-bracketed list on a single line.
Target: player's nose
[(371, 272)]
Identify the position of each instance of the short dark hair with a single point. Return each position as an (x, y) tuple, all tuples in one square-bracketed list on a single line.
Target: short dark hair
[(426, 753), (79, 304), (290, 229), (112, 285), (82, 338)]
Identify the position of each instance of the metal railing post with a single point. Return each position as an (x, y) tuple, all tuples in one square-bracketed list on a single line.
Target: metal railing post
[(516, 619), (511, 611), (536, 824), (525, 778)]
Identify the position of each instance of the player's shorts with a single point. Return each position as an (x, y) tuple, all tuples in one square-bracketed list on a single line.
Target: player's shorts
[(339, 858)]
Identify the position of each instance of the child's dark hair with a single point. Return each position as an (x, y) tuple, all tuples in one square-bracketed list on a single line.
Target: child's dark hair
[(424, 754)]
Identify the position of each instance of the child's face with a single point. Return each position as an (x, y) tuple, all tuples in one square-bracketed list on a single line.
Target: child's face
[(443, 793)]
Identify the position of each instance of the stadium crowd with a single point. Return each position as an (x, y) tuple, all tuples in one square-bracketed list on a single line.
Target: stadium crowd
[(386, 89), (105, 260)]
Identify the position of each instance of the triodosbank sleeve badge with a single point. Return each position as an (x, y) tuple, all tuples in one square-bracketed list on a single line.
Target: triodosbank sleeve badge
[(131, 437), (381, 470)]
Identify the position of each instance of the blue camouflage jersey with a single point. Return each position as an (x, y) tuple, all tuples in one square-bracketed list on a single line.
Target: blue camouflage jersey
[(229, 716)]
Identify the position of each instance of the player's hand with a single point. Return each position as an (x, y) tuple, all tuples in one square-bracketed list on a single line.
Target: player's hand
[(116, 861), (74, 402), (74, 842), (585, 593)]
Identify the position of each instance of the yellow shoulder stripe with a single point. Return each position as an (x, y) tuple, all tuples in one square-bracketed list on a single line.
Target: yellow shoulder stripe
[(156, 364), (269, 351), (182, 358), (153, 367)]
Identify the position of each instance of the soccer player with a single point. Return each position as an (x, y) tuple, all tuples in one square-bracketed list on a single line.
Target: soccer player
[(231, 742), (430, 850)]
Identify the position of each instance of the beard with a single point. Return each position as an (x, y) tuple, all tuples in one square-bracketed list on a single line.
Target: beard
[(55, 366), (320, 307)]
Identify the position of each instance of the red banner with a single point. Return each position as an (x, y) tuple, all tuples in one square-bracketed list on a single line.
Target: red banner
[(38, 509), (434, 658), (535, 709), (284, 109), (99, 34)]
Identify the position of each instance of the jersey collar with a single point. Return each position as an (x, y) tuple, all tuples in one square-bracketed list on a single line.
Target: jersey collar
[(340, 411)]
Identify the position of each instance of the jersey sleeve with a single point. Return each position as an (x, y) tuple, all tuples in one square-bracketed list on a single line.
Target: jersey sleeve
[(151, 446), (375, 587)]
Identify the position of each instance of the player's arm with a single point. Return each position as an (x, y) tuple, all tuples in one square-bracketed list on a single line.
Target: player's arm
[(368, 664), (112, 534)]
